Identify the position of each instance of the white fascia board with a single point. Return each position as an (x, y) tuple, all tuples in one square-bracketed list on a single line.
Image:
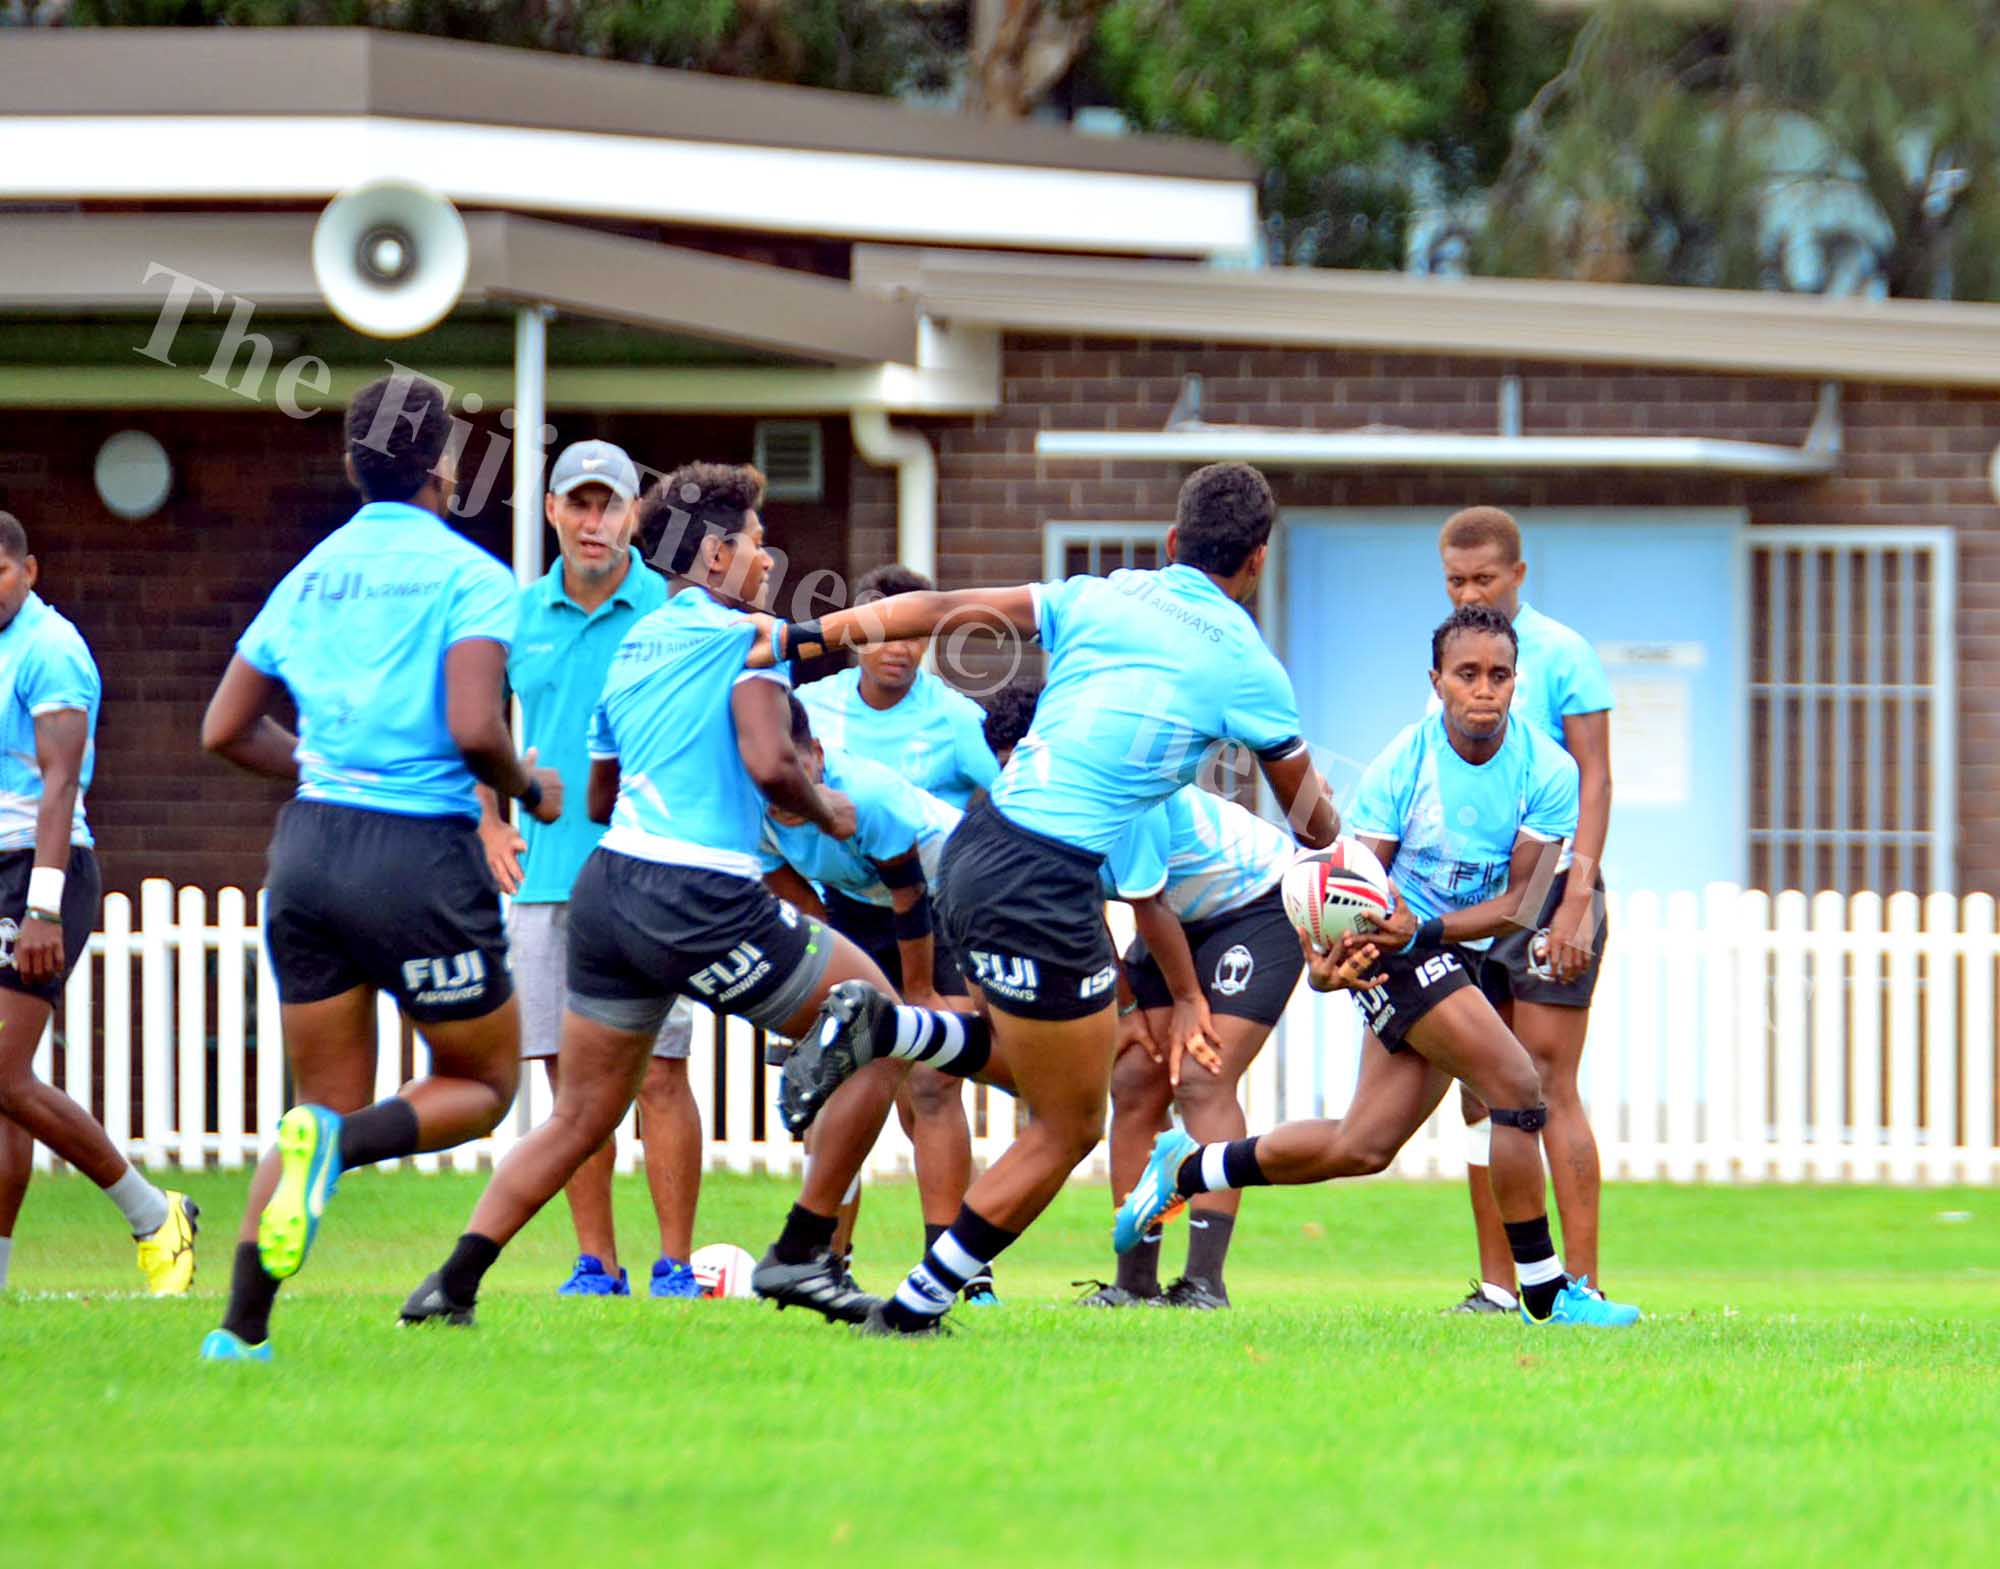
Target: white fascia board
[(860, 195), (1305, 449)]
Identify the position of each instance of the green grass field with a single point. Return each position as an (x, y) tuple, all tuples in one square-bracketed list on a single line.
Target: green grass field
[(1818, 1383)]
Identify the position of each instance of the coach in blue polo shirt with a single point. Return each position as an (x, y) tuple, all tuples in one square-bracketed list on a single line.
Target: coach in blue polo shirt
[(571, 623)]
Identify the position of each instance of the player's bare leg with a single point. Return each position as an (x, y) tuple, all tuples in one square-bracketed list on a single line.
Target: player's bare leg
[(588, 1192), (1496, 1263), (17, 1169), (1141, 1095), (1212, 1112), (670, 1134), (1554, 1038)]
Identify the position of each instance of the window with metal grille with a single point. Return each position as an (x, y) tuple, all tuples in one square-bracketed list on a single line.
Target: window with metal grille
[(1099, 548), (1853, 709), (793, 461)]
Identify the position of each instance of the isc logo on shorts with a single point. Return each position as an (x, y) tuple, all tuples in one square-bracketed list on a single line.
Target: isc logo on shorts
[(1100, 983), (458, 978), (1008, 975)]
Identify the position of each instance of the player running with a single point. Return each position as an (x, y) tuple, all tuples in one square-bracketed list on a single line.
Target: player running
[(49, 895), (687, 747), (392, 637), (572, 621), (890, 710), (1216, 866), (1463, 805), (1561, 691), (1146, 670)]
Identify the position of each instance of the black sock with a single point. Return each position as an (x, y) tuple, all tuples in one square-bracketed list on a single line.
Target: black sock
[(804, 1235), (1208, 1245), (251, 1293), (467, 1266), (386, 1130), (1239, 1169), (963, 1253), (1139, 1266), (1535, 1254), (932, 1233), (960, 1044)]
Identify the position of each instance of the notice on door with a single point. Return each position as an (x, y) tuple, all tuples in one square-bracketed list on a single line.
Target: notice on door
[(1652, 738)]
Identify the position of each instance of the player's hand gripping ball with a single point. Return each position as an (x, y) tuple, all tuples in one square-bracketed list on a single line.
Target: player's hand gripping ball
[(1329, 893)]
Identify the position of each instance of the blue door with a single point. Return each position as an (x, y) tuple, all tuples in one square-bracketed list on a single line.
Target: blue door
[(1658, 591)]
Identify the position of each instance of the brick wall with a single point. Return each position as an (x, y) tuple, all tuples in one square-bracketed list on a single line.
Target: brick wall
[(1913, 456), (162, 601)]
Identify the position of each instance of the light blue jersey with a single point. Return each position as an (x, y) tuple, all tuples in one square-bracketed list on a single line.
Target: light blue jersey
[(934, 737), (358, 632), (1204, 855), (45, 666), (1557, 674), (557, 670), (684, 796), (1147, 670), (892, 818), (1455, 823)]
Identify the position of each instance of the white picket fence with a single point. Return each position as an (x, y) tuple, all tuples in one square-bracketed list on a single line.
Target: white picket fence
[(1736, 1038)]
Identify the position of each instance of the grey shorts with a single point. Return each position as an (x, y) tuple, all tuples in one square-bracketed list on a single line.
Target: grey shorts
[(538, 935)]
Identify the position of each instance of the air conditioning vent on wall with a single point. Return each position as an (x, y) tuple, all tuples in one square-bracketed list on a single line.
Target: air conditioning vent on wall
[(789, 453)]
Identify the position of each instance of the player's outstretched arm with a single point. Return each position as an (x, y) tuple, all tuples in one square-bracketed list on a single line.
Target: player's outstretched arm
[(475, 714), (764, 741), (897, 617), (237, 728), (1518, 905), (910, 900), (61, 735), (1303, 797)]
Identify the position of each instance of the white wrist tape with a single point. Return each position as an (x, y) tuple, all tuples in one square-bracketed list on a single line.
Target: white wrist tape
[(45, 889)]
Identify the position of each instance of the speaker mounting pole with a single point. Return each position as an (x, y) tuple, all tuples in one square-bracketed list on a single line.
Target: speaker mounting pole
[(530, 379)]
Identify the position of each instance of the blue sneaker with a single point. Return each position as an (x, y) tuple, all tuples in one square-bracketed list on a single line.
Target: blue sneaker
[(674, 1278), (1155, 1193), (979, 1292), (309, 1147), (1576, 1303), (590, 1279), (219, 1345)]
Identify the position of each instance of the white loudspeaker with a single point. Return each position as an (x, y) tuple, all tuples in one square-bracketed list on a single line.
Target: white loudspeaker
[(390, 257)]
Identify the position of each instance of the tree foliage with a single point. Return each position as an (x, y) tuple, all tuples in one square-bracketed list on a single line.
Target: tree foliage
[(1340, 102), (1832, 145)]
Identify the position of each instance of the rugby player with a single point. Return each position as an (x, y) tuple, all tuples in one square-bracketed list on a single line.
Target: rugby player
[(1217, 867), (572, 622), (1561, 690), (49, 894), (687, 748), (889, 709), (392, 637), (1463, 805), (1146, 670)]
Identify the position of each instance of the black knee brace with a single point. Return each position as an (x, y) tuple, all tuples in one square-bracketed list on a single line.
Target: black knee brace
[(1532, 1120)]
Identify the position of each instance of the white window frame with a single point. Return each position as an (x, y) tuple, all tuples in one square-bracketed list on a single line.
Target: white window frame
[(1058, 539), (1941, 838)]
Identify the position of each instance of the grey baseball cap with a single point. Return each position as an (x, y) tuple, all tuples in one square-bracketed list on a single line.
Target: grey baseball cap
[(595, 463)]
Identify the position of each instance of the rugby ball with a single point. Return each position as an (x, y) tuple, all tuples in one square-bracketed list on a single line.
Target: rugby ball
[(1329, 893), (723, 1270)]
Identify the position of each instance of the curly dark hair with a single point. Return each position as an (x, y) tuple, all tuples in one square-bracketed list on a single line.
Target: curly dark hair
[(397, 428), (695, 501), (1009, 712), (1226, 511), (1471, 618), (895, 578)]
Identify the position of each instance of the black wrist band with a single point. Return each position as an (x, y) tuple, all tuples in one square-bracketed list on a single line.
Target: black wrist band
[(803, 640), (532, 796), (1430, 933)]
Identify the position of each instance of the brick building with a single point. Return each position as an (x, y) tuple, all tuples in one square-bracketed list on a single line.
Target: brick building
[(998, 353)]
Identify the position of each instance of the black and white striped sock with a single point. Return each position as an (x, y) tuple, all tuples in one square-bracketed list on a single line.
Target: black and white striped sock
[(955, 1043), (1215, 1167), (963, 1252)]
